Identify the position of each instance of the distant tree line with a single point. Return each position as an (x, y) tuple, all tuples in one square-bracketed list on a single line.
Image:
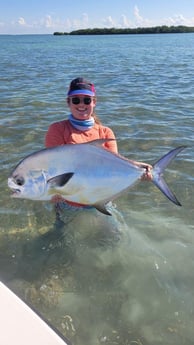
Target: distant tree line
[(164, 29)]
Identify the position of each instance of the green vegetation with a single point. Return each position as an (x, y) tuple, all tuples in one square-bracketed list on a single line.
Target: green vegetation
[(60, 33), (115, 31)]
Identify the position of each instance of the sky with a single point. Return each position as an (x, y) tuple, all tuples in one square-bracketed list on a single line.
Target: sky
[(49, 16)]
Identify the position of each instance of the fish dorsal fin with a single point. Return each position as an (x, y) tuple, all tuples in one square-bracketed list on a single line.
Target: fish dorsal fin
[(60, 180), (102, 208)]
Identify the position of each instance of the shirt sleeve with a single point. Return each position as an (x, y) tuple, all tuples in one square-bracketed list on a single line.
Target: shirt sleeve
[(110, 145), (55, 135)]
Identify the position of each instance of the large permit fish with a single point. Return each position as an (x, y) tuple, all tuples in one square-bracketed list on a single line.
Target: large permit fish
[(85, 174)]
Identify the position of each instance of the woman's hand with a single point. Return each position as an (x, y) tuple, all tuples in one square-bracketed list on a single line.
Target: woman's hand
[(147, 176)]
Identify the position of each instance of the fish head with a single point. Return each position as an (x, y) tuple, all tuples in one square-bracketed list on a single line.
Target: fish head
[(30, 184)]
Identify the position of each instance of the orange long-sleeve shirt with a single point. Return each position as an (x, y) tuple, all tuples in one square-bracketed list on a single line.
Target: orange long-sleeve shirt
[(62, 132)]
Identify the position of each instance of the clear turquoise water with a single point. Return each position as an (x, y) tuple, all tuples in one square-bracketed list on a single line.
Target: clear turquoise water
[(140, 291)]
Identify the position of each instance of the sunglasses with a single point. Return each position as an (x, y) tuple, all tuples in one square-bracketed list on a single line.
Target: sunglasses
[(77, 100)]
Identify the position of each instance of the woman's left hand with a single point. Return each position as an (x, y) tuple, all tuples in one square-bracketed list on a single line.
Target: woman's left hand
[(147, 176)]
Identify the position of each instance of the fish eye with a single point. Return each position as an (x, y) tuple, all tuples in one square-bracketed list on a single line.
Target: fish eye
[(20, 181)]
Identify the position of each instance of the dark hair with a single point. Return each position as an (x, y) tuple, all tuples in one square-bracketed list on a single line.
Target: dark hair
[(81, 86), (96, 119)]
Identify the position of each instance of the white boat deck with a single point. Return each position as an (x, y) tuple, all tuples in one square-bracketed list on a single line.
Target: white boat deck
[(20, 325)]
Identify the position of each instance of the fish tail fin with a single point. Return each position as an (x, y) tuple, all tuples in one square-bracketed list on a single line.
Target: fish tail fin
[(158, 170)]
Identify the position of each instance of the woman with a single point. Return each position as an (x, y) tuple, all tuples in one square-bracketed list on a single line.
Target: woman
[(82, 126)]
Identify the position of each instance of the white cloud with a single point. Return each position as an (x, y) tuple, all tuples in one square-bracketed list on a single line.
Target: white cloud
[(67, 25), (21, 21), (109, 22), (137, 15), (84, 19), (48, 22), (179, 19), (74, 24), (70, 24), (139, 20), (124, 21)]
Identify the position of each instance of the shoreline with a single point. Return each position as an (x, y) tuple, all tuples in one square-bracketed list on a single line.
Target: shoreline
[(164, 29)]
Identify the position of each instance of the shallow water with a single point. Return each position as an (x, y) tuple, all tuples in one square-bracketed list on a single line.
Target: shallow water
[(95, 288)]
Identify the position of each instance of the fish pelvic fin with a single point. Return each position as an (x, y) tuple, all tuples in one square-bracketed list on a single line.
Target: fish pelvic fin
[(60, 180), (102, 208), (158, 170)]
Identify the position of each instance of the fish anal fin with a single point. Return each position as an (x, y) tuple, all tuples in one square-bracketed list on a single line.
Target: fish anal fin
[(60, 180), (102, 208)]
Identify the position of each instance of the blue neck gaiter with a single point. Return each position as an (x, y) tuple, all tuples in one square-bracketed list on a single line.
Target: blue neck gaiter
[(81, 125)]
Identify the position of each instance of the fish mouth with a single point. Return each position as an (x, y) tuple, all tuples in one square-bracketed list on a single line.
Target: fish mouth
[(15, 192)]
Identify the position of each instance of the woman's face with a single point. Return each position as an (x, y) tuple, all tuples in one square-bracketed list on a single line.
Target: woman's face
[(81, 106)]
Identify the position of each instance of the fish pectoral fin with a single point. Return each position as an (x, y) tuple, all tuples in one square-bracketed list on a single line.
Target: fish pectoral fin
[(102, 208), (60, 180)]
